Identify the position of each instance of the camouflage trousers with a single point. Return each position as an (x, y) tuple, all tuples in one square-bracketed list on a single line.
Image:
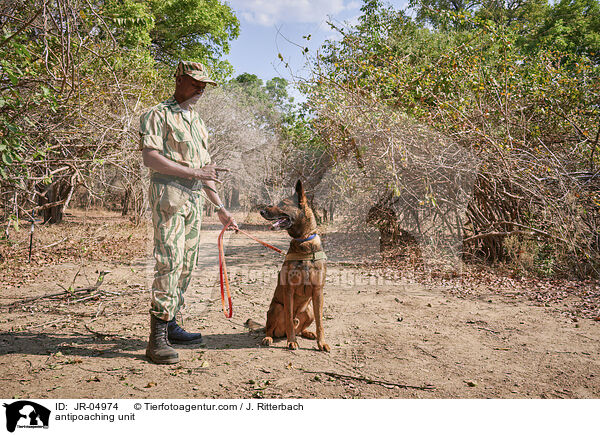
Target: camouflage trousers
[(176, 218)]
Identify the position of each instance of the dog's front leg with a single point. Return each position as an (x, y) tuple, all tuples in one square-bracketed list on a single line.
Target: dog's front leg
[(268, 340), (273, 319), (288, 308), (318, 309)]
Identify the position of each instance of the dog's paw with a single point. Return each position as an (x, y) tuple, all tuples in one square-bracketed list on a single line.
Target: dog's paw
[(267, 341), (292, 345), (308, 334), (323, 346)]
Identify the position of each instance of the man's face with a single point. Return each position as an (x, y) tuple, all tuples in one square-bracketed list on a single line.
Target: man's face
[(189, 89)]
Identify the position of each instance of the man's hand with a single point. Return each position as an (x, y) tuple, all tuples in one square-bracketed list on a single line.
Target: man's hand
[(227, 218), (209, 172)]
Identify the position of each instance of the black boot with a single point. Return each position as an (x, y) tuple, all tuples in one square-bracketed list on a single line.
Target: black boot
[(159, 350), (178, 335)]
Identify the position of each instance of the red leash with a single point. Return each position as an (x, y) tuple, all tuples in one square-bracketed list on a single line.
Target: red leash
[(266, 245), (223, 268), (223, 272)]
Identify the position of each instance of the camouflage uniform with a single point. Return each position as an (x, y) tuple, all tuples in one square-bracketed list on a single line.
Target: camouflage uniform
[(176, 214)]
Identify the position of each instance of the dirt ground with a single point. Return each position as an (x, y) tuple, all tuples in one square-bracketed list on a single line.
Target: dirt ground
[(408, 337)]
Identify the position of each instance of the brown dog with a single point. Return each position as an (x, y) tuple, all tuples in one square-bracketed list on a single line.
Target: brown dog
[(302, 275)]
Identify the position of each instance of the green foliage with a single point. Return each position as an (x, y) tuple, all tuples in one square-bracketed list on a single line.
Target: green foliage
[(277, 91), (20, 68), (35, 78), (299, 133), (271, 100), (443, 77), (569, 26), (520, 86), (72, 85), (132, 21), (436, 13), (197, 30)]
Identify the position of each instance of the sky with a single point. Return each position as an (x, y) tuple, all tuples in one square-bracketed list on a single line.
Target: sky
[(270, 27)]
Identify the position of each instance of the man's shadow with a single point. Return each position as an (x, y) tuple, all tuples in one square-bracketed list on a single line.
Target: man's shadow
[(91, 345), (46, 344), (111, 347)]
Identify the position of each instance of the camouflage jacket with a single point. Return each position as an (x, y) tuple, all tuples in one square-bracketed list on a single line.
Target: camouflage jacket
[(165, 129)]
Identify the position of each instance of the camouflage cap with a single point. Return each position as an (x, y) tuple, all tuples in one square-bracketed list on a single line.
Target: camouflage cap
[(195, 70)]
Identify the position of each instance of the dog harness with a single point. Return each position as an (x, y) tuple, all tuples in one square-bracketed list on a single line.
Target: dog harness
[(299, 256), (308, 256)]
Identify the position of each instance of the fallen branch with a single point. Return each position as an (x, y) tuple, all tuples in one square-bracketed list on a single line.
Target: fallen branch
[(42, 207), (372, 381), (97, 295), (533, 230), (425, 352), (49, 296), (52, 322), (488, 330), (65, 292), (52, 244), (498, 234)]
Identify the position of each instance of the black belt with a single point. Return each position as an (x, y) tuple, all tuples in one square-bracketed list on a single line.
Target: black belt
[(185, 184)]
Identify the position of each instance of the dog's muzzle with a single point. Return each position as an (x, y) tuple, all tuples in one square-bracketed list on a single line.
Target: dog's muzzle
[(282, 222)]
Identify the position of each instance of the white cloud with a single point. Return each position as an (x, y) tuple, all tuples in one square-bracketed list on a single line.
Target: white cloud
[(270, 12)]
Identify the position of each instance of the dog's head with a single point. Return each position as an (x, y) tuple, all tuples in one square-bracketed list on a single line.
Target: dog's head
[(292, 214)]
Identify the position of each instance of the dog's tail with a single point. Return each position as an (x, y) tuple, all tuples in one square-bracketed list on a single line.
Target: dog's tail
[(254, 326)]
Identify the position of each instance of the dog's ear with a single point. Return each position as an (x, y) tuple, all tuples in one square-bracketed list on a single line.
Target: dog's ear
[(300, 194)]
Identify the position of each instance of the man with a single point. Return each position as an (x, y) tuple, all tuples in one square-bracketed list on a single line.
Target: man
[(173, 140)]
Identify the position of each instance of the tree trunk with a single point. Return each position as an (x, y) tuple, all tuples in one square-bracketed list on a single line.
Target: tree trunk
[(234, 201), (125, 202), (57, 192)]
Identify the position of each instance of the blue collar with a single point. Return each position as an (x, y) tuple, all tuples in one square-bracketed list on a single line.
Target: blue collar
[(307, 239)]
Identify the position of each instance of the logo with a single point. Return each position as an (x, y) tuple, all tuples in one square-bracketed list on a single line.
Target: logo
[(26, 414)]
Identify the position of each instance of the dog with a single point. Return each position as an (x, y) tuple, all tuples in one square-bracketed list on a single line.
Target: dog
[(302, 276)]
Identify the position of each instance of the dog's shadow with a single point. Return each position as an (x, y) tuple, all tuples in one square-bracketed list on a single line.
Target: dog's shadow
[(250, 340), (239, 340)]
